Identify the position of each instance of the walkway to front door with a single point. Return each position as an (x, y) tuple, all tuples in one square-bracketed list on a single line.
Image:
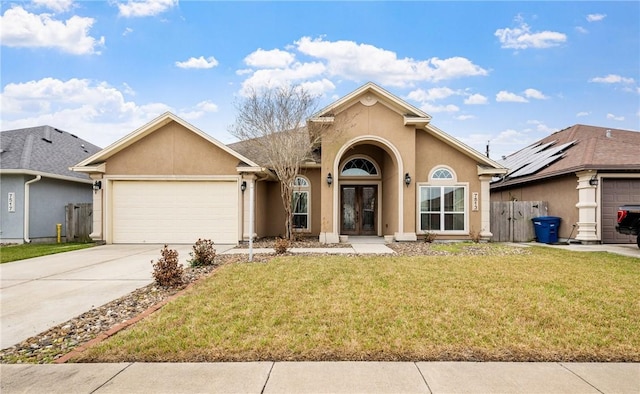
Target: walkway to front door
[(359, 209)]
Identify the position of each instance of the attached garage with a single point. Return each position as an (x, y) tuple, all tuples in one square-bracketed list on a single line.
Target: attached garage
[(176, 212), (617, 192)]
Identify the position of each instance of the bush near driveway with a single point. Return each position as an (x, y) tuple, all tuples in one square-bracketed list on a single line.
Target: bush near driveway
[(550, 305)]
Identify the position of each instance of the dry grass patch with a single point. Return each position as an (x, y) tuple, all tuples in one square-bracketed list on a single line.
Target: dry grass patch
[(548, 305)]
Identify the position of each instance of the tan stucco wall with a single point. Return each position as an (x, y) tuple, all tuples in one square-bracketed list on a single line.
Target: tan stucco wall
[(560, 194), (433, 152), (420, 152), (172, 150)]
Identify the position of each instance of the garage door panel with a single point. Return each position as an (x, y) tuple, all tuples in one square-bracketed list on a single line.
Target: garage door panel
[(175, 212), (617, 192)]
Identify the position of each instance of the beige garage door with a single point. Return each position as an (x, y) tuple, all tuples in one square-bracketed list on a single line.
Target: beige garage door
[(616, 192), (174, 212)]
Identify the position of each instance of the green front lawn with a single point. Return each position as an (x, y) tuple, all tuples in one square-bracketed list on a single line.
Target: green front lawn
[(26, 251), (547, 305)]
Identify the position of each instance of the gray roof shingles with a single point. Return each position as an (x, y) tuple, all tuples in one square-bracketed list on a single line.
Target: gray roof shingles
[(44, 149)]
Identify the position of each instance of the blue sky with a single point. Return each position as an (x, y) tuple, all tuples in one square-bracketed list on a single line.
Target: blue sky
[(505, 72)]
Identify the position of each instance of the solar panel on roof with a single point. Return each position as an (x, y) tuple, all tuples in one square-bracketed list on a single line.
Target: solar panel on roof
[(533, 158)]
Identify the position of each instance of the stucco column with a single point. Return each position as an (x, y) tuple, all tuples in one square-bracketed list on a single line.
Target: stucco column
[(485, 207), (96, 233), (247, 226), (587, 205)]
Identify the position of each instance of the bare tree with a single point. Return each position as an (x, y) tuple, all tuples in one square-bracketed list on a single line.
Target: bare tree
[(272, 122)]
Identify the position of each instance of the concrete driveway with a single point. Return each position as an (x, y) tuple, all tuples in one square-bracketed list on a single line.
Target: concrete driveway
[(39, 293)]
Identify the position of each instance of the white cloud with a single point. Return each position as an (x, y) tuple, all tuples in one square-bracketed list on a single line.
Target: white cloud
[(127, 31), (274, 58), (296, 73), (465, 117), (431, 94), (535, 94), (141, 8), (92, 110), (55, 5), (476, 99), (595, 17), (614, 117), (541, 127), (504, 96), (318, 88), (521, 37), (316, 61), (581, 30), (582, 114), (432, 109), (21, 28), (200, 62), (358, 62), (207, 106), (612, 78)]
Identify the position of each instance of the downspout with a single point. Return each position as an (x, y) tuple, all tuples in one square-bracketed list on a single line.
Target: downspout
[(26, 207)]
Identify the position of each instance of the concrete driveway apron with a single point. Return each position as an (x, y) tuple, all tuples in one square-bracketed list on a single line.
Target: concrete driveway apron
[(39, 293)]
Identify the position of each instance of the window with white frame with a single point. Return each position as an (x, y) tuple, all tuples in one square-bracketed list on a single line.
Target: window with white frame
[(443, 203), (300, 204)]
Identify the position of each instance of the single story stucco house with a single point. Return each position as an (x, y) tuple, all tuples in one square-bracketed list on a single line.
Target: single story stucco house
[(584, 173), (36, 182), (389, 173)]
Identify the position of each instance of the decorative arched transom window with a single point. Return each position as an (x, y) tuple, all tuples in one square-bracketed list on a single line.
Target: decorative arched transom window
[(441, 174), (301, 204), (359, 166)]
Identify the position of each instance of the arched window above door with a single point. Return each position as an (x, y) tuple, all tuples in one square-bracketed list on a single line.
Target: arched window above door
[(359, 166)]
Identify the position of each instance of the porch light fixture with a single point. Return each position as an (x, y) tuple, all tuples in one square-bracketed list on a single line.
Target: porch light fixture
[(97, 185), (243, 186), (329, 179), (407, 179), (593, 181)]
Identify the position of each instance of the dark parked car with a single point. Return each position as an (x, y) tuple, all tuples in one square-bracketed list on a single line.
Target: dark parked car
[(629, 221)]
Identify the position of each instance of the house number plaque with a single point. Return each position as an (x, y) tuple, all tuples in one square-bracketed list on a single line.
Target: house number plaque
[(475, 201), (11, 199)]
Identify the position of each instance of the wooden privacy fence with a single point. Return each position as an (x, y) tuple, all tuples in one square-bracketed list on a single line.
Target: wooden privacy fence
[(511, 220), (79, 222)]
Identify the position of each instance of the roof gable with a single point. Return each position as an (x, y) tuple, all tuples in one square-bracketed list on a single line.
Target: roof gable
[(43, 150), (370, 94), (90, 163)]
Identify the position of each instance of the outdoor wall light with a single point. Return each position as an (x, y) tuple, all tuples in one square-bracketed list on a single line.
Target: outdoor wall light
[(329, 179), (593, 181), (97, 185), (407, 179), (243, 186)]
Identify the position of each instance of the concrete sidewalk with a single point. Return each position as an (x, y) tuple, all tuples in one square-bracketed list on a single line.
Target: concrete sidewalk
[(323, 377)]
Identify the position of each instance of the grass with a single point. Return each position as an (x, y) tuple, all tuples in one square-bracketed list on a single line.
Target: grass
[(550, 305), (11, 253)]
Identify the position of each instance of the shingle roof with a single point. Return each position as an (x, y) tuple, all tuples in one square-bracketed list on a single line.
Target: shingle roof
[(576, 148), (43, 149)]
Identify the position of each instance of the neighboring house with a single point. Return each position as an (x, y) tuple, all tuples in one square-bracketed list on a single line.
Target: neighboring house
[(36, 182), (389, 173), (584, 173)]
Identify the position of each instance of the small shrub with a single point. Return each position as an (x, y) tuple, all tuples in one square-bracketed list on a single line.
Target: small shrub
[(429, 237), (281, 245), (167, 271), (203, 253), (475, 236)]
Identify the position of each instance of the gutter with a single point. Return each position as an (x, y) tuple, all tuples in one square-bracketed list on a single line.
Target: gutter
[(26, 207)]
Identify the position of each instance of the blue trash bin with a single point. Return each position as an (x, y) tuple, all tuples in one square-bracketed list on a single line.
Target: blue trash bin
[(546, 228)]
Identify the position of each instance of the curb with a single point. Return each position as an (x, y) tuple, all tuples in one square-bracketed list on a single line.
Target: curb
[(120, 326)]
